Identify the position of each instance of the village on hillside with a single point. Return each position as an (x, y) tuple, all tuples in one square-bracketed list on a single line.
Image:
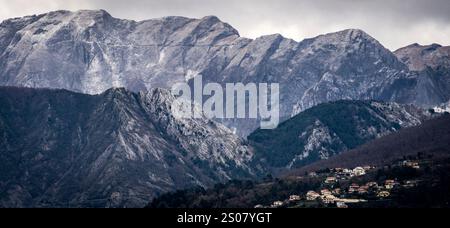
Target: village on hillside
[(345, 187)]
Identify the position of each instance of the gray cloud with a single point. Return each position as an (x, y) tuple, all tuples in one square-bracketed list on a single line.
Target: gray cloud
[(393, 23)]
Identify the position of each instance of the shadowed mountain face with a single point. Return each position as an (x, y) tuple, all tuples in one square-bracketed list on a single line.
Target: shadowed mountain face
[(116, 149), (328, 129), (433, 64), (90, 52), (432, 138), (429, 143)]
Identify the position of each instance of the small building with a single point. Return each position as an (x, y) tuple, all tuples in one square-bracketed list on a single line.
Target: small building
[(294, 198), (341, 205), (328, 199), (277, 204), (359, 171), (383, 194), (330, 180), (325, 192), (390, 184), (344, 174), (338, 170), (312, 195), (411, 164)]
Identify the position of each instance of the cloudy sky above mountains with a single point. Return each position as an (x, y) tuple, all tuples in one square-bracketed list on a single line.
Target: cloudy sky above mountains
[(393, 23)]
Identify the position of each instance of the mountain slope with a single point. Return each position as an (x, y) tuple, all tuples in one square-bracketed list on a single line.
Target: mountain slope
[(116, 149), (433, 64), (425, 187), (430, 138), (419, 57), (329, 129), (101, 52)]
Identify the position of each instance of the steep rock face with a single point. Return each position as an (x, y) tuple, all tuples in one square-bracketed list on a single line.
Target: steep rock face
[(90, 51), (433, 64), (116, 149), (419, 57), (329, 129), (430, 139), (320, 143)]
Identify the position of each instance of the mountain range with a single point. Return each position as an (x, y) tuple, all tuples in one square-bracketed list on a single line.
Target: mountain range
[(428, 143), (120, 149), (116, 149), (430, 139), (91, 51), (326, 130), (87, 119)]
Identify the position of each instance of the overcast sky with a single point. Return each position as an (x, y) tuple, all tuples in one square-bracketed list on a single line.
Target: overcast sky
[(394, 23)]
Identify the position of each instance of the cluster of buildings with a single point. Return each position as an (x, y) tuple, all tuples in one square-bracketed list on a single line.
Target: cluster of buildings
[(411, 164), (332, 192), (325, 196), (345, 174), (334, 196), (341, 197)]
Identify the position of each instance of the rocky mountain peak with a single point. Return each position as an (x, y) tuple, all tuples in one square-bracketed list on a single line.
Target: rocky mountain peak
[(215, 21), (347, 37), (158, 100), (92, 13), (418, 57), (211, 19), (355, 35), (101, 52), (119, 94)]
